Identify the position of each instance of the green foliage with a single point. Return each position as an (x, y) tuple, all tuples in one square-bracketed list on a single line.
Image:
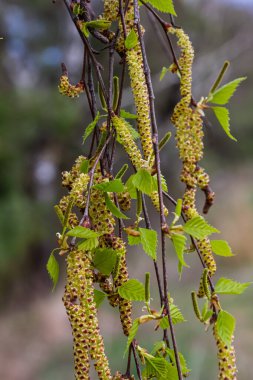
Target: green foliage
[(179, 242), (225, 327), (159, 368), (176, 317), (132, 333), (185, 369), (90, 128), (143, 181), (164, 71), (99, 297), (198, 228), (131, 40), (221, 248), (127, 115), (82, 232), (149, 241), (113, 208), (222, 115), (165, 6), (131, 188), (53, 269), (132, 290), (115, 186), (88, 244), (224, 93), (227, 286), (104, 260), (122, 171)]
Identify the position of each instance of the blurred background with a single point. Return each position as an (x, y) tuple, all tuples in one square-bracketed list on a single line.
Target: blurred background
[(41, 136)]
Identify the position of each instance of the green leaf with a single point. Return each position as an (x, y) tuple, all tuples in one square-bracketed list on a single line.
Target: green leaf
[(222, 115), (127, 115), (115, 186), (59, 213), (143, 181), (227, 286), (221, 248), (88, 244), (132, 290), (225, 327), (132, 40), (133, 240), (83, 232), (91, 127), (113, 208), (104, 260), (53, 269), (185, 369), (159, 368), (132, 333), (178, 208), (224, 93), (164, 71), (176, 317), (100, 24), (179, 242), (85, 30), (84, 167), (199, 228), (99, 297), (131, 188), (121, 172), (165, 6), (149, 241)]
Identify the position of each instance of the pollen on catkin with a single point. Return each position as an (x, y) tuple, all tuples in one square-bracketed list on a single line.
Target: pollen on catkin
[(226, 357), (67, 89)]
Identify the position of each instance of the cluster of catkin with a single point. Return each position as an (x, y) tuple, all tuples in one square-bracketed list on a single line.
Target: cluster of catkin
[(189, 135), (82, 276)]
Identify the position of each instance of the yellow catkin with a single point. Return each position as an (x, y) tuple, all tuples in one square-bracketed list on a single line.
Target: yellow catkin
[(67, 89), (81, 309), (189, 137), (226, 357), (124, 200), (111, 10), (102, 219)]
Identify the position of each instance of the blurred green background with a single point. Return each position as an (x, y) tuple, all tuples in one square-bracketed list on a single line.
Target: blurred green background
[(41, 135)]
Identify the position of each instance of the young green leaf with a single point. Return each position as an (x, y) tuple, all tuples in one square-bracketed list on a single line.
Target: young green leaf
[(227, 286), (222, 115), (127, 115), (59, 213), (82, 232), (176, 316), (100, 24), (221, 248), (113, 208), (165, 6), (104, 260), (115, 186), (179, 242), (143, 181), (225, 327), (132, 40), (53, 269), (132, 290), (84, 167), (132, 333), (159, 368), (130, 187), (99, 297), (178, 208), (199, 228), (149, 241), (164, 71), (88, 244), (185, 369), (91, 127), (133, 240), (224, 93)]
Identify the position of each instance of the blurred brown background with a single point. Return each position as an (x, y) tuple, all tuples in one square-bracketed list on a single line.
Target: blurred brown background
[(41, 135)]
